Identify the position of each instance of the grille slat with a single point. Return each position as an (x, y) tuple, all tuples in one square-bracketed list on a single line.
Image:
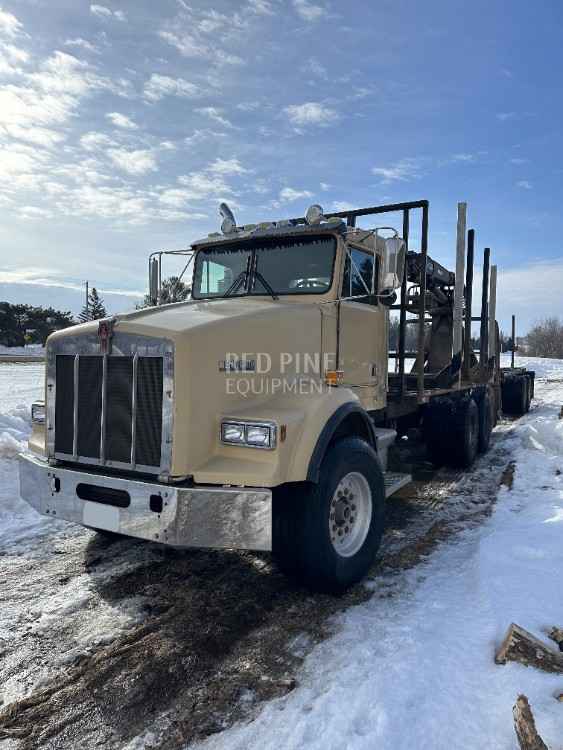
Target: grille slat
[(89, 406), (64, 407), (119, 396), (149, 411), (119, 384)]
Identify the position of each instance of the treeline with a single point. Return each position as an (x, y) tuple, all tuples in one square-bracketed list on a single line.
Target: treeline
[(545, 339), (26, 324)]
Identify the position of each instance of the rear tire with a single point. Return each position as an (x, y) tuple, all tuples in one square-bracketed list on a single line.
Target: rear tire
[(485, 421), (328, 533), (437, 418), (465, 433), (515, 396)]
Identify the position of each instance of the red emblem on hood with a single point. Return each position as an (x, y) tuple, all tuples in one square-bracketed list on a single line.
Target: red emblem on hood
[(105, 333)]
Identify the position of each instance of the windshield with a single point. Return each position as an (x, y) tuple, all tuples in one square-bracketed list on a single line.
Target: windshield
[(286, 266)]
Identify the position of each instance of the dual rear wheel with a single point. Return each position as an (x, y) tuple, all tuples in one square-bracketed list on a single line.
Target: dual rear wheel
[(456, 430)]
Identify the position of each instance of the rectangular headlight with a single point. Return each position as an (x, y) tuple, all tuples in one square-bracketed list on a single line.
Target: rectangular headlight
[(249, 434), (259, 435), (232, 432), (38, 412)]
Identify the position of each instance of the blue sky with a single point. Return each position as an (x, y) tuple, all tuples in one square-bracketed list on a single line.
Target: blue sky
[(123, 125)]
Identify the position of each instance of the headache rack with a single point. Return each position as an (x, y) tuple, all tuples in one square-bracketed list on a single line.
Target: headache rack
[(422, 272)]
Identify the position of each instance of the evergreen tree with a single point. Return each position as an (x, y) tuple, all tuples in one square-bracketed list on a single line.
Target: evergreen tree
[(173, 290), (95, 309), (21, 324)]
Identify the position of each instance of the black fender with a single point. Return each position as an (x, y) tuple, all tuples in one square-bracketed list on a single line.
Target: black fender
[(330, 430)]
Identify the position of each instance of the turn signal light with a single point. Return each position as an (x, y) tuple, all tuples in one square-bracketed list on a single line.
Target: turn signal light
[(334, 377)]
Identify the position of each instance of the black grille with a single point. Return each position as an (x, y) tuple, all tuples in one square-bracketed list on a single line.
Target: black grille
[(119, 396), (89, 406), (64, 408), (119, 408), (149, 410)]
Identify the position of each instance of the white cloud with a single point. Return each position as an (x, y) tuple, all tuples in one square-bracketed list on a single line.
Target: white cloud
[(216, 115), (93, 141), (176, 197), (339, 206), (519, 160), (159, 86), (325, 186), (9, 24), (525, 184), (40, 136), (288, 194), (504, 116), (102, 12), (227, 166), (311, 113), (34, 212), (463, 157), (308, 11), (205, 134), (260, 7), (121, 121), (188, 46), (82, 44), (16, 54), (135, 162), (402, 171), (201, 186)]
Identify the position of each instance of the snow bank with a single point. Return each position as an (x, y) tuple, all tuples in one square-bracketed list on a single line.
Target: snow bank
[(33, 350), (413, 667), (19, 386)]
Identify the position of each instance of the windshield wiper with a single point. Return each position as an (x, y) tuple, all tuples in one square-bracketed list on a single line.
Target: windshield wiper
[(265, 284), (236, 283)]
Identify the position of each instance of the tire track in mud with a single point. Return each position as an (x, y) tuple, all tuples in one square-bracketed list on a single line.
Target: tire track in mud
[(221, 631)]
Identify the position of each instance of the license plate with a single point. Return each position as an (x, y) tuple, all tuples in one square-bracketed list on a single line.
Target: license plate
[(100, 516)]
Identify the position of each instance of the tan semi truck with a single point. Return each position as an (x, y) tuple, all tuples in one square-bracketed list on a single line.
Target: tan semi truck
[(259, 414)]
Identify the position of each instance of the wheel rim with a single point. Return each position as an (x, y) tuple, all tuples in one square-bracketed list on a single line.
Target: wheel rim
[(350, 514)]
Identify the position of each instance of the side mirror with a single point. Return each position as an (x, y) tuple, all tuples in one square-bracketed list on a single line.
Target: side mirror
[(154, 280), (393, 263)]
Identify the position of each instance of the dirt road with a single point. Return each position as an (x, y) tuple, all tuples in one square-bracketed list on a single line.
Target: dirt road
[(116, 644)]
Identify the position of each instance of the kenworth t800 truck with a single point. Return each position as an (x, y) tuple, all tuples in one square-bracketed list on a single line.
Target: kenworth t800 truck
[(259, 413)]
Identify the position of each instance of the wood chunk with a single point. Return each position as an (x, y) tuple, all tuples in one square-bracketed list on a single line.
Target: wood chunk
[(556, 635), (521, 646), (525, 726)]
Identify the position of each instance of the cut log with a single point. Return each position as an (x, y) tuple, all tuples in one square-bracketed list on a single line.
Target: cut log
[(523, 647), (556, 635), (525, 726)]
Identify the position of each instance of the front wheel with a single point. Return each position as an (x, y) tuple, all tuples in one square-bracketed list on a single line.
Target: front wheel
[(337, 524)]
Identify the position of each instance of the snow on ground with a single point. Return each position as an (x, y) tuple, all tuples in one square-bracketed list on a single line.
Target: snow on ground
[(31, 350), (32, 553), (411, 668), (20, 385), (414, 666)]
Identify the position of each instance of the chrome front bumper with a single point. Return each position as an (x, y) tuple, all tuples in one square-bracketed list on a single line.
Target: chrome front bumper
[(216, 517)]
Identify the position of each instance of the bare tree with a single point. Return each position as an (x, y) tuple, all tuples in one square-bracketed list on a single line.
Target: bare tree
[(545, 339)]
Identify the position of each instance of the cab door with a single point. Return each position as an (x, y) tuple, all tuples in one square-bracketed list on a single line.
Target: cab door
[(363, 329)]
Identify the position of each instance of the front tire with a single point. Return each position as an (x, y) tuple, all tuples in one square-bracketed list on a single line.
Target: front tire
[(337, 524)]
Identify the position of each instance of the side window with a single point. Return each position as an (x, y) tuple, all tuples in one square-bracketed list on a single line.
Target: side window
[(358, 276)]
